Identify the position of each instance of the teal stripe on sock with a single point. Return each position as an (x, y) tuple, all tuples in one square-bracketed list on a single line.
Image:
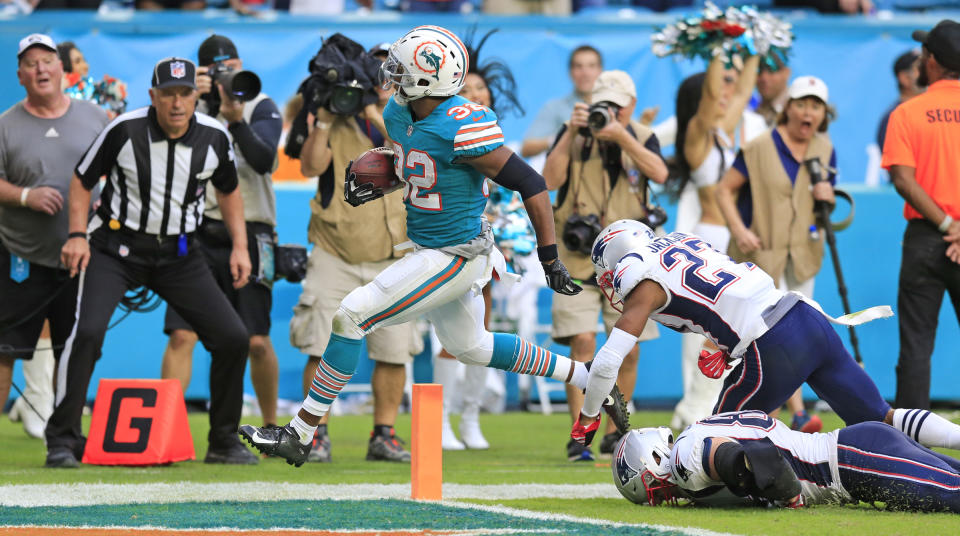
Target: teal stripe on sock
[(553, 365), (342, 354), (504, 351)]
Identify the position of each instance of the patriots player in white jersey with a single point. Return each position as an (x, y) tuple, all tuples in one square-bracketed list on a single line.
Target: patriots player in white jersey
[(748, 456), (443, 147), (781, 339)]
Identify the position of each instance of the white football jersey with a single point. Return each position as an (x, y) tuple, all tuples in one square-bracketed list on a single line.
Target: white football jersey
[(707, 292), (813, 457)]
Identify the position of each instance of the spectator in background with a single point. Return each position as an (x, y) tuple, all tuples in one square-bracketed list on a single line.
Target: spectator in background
[(109, 93), (906, 69), (436, 6), (255, 128), (770, 223), (712, 123), (772, 87), (920, 152), (351, 246), (40, 139), (585, 65), (532, 7), (160, 5), (601, 174), (849, 7)]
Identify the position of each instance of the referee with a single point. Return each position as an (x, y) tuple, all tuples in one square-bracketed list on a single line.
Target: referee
[(920, 152), (158, 160)]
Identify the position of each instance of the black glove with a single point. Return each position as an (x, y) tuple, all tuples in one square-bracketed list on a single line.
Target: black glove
[(358, 194), (558, 278)]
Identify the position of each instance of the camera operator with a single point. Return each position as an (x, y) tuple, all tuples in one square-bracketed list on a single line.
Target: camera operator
[(352, 245), (255, 126), (601, 162)]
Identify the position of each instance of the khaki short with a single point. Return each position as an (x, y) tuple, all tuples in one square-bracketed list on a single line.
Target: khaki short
[(573, 315), (329, 279)]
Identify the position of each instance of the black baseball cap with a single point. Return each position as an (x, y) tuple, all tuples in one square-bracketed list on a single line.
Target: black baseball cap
[(905, 61), (380, 48), (216, 48), (170, 72), (943, 41)]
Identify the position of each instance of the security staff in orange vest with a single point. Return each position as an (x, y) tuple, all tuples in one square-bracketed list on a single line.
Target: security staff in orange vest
[(921, 154)]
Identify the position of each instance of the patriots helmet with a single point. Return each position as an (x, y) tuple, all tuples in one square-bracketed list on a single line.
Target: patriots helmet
[(612, 244), (641, 466), (429, 61)]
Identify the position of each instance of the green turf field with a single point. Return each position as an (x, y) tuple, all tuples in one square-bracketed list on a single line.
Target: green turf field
[(526, 449)]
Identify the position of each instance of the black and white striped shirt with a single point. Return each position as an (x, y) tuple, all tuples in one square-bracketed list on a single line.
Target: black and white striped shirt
[(156, 185)]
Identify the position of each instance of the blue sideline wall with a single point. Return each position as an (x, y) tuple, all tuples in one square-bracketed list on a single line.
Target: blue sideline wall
[(852, 55)]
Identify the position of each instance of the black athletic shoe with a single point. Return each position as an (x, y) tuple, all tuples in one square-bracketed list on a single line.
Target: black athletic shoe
[(388, 449), (609, 441), (235, 454), (61, 458), (282, 441), (616, 407), (576, 452), (320, 449)]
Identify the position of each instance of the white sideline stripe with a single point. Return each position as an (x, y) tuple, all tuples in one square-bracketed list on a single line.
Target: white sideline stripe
[(84, 494), (235, 530)]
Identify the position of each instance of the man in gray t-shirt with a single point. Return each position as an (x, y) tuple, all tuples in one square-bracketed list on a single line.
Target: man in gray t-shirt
[(41, 138)]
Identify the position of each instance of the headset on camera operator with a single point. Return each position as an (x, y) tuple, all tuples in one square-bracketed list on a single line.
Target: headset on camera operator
[(233, 96), (601, 163), (353, 243)]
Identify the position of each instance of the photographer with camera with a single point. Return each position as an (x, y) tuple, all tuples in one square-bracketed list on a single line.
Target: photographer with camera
[(233, 96), (601, 162), (351, 244)]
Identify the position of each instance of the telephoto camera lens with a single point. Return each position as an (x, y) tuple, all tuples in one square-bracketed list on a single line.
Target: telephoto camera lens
[(346, 99), (598, 118), (241, 85)]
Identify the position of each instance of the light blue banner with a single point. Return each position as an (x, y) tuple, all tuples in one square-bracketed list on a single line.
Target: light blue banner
[(853, 55)]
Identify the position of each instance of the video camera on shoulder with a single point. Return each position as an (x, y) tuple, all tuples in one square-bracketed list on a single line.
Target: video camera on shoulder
[(343, 79), (599, 115)]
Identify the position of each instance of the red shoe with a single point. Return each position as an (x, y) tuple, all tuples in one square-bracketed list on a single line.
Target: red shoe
[(806, 423)]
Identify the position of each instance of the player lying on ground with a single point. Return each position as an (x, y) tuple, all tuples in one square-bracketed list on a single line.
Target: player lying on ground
[(781, 338), (444, 146), (748, 456)]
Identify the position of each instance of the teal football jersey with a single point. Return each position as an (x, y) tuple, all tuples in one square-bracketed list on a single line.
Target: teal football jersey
[(445, 198)]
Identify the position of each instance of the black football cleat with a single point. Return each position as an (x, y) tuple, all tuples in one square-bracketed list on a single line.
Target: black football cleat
[(280, 441), (616, 407)]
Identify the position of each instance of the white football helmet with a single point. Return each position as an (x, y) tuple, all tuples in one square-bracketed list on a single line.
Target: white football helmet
[(429, 61), (612, 244), (641, 466)]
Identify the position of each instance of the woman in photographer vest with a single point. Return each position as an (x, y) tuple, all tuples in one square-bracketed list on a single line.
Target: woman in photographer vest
[(771, 219), (601, 174), (712, 121), (491, 84)]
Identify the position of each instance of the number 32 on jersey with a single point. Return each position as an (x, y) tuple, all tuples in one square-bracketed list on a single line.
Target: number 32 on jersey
[(422, 178)]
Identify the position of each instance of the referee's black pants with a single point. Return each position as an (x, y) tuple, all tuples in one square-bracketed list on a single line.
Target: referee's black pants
[(925, 273), (187, 285)]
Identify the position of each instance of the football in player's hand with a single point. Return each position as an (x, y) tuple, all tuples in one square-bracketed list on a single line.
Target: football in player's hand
[(376, 167)]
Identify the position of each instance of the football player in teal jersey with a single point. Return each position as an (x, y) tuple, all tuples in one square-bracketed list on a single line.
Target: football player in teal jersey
[(443, 147)]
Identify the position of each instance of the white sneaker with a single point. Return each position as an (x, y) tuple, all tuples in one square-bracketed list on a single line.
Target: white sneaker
[(448, 440), (33, 424), (471, 434)]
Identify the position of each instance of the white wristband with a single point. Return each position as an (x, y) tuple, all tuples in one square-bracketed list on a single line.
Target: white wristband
[(23, 196), (945, 224)]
